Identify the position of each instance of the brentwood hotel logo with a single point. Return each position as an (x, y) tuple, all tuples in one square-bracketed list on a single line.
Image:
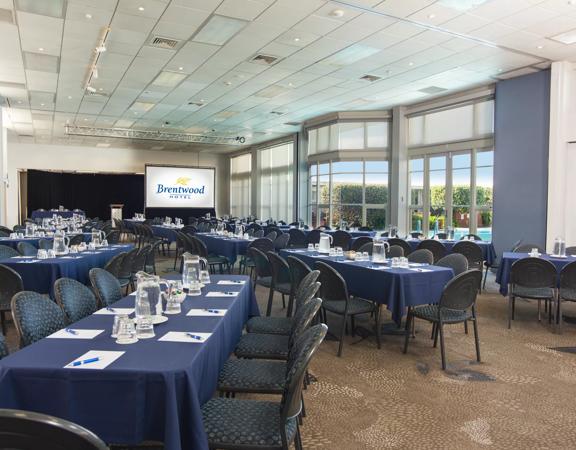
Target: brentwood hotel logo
[(180, 189)]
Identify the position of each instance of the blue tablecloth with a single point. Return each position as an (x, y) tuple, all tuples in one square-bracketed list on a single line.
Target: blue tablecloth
[(152, 392), (48, 214), (34, 240), (164, 232), (396, 288), (220, 245), (488, 251), (40, 276), (509, 258)]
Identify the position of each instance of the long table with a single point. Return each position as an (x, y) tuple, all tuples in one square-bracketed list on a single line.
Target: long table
[(488, 251), (509, 258), (164, 232), (13, 242), (40, 274), (230, 247), (397, 288), (37, 214), (152, 392)]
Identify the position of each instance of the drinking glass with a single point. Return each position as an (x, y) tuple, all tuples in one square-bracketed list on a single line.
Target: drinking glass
[(205, 277), (172, 306), (310, 247), (316, 247), (144, 327), (104, 243), (365, 256), (42, 254), (116, 325), (194, 289), (126, 332), (51, 253)]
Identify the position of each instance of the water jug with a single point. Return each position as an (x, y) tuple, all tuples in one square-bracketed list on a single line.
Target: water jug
[(60, 244), (191, 267), (325, 243)]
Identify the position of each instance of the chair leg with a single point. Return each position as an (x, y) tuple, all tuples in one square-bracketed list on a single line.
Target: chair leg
[(435, 336), (283, 302), (378, 330), (476, 338), (341, 344), (442, 351), (290, 306), (270, 299), (510, 310), (352, 326), (3, 322), (539, 308), (465, 327), (485, 277), (409, 319), (433, 330)]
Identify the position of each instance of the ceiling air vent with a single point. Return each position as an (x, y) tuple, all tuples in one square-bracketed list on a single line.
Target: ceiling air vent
[(277, 113), (293, 124), (266, 60), (432, 90), (370, 78), (163, 42), (198, 104)]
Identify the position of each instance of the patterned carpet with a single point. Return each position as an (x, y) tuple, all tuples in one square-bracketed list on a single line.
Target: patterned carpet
[(521, 396)]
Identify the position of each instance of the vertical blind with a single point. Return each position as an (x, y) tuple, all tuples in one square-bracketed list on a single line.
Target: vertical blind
[(240, 185), (276, 182)]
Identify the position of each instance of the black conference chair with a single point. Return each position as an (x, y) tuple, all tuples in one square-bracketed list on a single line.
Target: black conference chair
[(281, 242), (457, 305), (472, 252), (533, 279), (313, 237), (106, 286), (298, 271), (359, 242), (401, 243), (567, 289), (395, 251), (421, 256), (8, 252), (471, 236), (76, 300), (10, 284), (26, 430), (342, 239), (455, 261), (437, 248), (26, 249), (298, 238), (281, 280)]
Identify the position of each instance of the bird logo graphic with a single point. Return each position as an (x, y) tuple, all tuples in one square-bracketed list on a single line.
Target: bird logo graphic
[(183, 181)]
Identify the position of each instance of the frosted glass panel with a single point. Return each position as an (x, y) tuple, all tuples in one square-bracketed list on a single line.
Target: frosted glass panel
[(377, 134), (351, 136), (450, 125), (484, 117), (323, 139), (240, 185), (312, 136), (416, 130), (276, 182)]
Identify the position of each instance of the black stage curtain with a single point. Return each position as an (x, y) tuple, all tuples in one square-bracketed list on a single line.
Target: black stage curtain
[(94, 193)]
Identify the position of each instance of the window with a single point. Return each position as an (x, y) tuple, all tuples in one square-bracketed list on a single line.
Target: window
[(240, 185), (276, 182), (351, 191), (452, 190), (348, 136)]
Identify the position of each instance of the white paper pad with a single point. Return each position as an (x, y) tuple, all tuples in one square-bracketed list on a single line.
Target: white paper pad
[(29, 261), (381, 267), (420, 270), (77, 334), (115, 311), (106, 358), (221, 294), (183, 336), (232, 282), (320, 256), (205, 313), (23, 257)]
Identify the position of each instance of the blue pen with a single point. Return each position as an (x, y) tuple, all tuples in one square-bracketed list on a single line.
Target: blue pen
[(230, 293), (86, 361), (193, 336), (71, 331), (215, 311), (110, 309)]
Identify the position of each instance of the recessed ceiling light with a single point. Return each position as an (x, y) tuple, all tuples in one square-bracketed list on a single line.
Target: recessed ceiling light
[(41, 104), (337, 13), (540, 47), (85, 119), (431, 16), (168, 79), (90, 89), (410, 63), (100, 49), (180, 68), (499, 70), (140, 8), (228, 83), (296, 39), (19, 101), (572, 2), (568, 37), (88, 16), (100, 89), (290, 84), (40, 49), (218, 30), (69, 97)]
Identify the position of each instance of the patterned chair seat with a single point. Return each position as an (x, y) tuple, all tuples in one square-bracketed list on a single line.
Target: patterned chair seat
[(528, 292), (355, 306), (245, 375), (269, 325), (244, 423), (431, 313), (568, 294), (3, 347), (264, 281), (217, 259), (283, 288), (262, 346)]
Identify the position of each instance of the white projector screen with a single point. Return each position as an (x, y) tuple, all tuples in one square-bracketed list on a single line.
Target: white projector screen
[(179, 187)]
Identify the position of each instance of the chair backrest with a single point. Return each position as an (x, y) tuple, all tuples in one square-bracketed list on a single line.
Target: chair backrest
[(359, 242), (106, 286), (298, 271), (455, 261), (263, 244), (472, 252), (272, 235), (281, 242), (305, 292), (10, 284), (26, 249), (570, 251), (568, 276), (442, 235), (77, 239), (437, 248), (402, 243), (297, 238), (189, 229), (527, 248), (342, 239), (26, 430), (139, 261), (533, 273), (125, 270), (262, 265), (35, 316), (113, 237), (199, 246), (422, 256), (76, 300), (296, 367), (461, 291), (3, 347), (280, 269), (8, 252), (472, 237), (313, 237), (395, 251), (258, 233), (334, 287), (363, 228), (113, 265), (367, 247), (302, 319)]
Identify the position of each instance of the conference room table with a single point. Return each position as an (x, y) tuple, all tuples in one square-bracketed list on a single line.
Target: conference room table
[(167, 233), (397, 288), (509, 258), (39, 275), (48, 214), (154, 389), (13, 242), (230, 247), (488, 251)]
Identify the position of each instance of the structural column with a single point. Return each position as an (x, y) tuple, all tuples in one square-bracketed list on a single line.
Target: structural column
[(398, 189), (3, 168)]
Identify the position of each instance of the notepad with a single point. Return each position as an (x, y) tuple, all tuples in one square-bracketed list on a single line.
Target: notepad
[(23, 257), (185, 336), (208, 312), (231, 282), (221, 294), (28, 261), (105, 358), (115, 311), (74, 333), (419, 270), (381, 267)]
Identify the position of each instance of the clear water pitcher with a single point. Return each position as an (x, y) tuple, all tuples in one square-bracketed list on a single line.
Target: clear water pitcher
[(150, 284), (379, 249), (191, 268), (559, 247), (97, 237), (61, 243)]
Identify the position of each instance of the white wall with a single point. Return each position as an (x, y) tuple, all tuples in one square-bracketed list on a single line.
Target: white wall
[(94, 159), (562, 155)]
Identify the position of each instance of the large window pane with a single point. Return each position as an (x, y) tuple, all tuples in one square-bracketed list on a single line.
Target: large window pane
[(461, 193), (351, 136), (377, 166), (437, 198), (376, 218), (348, 213), (377, 134), (276, 186), (347, 167), (376, 188), (484, 193), (240, 185), (347, 188), (324, 189)]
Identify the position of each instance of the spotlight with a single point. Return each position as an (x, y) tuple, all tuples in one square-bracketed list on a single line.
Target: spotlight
[(241, 139)]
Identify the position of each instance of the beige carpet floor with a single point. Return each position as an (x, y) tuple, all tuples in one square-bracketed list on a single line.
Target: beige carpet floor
[(521, 396)]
